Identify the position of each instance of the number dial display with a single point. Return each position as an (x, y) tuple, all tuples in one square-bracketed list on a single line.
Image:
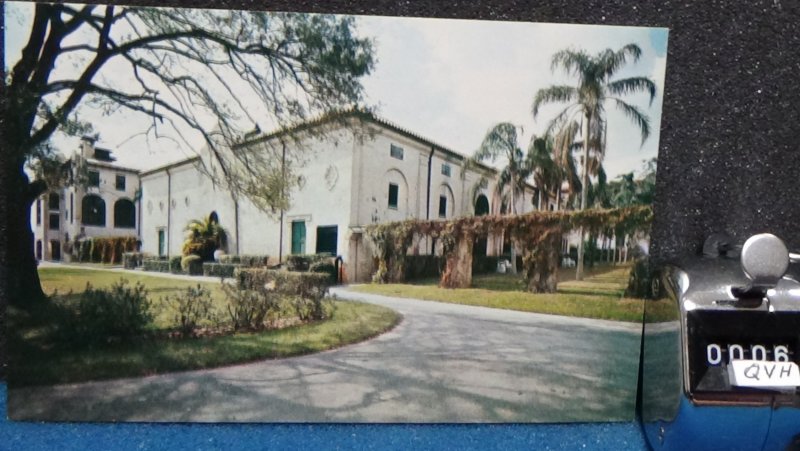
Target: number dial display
[(716, 337)]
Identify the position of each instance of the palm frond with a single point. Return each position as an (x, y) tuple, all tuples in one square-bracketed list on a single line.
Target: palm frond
[(565, 116), (610, 62), (633, 85), (573, 62), (636, 116), (553, 94)]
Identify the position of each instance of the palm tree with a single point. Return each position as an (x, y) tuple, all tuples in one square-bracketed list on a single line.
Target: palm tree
[(501, 142), (625, 191), (204, 236), (587, 101)]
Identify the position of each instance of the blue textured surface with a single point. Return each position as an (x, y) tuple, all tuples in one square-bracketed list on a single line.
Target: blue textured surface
[(79, 436)]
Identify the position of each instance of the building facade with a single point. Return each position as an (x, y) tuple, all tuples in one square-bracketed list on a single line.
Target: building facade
[(105, 204), (348, 183)]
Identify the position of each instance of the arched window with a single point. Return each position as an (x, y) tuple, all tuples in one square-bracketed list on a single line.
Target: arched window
[(93, 209), (124, 214), (481, 206)]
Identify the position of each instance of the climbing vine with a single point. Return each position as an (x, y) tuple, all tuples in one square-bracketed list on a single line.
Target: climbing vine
[(539, 234)]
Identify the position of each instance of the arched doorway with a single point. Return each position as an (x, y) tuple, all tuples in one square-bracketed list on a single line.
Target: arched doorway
[(481, 205), (124, 214), (93, 210)]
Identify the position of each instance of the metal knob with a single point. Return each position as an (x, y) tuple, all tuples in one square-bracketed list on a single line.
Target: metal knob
[(765, 260)]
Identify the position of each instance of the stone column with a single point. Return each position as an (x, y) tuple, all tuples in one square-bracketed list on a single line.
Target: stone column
[(458, 264)]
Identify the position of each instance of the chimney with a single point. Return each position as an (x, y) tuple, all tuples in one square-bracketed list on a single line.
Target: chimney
[(87, 146)]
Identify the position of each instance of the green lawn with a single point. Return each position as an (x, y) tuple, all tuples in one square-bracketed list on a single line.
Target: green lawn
[(599, 295), (35, 359)]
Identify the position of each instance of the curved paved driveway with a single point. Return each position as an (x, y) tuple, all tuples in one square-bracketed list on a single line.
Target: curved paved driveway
[(443, 363)]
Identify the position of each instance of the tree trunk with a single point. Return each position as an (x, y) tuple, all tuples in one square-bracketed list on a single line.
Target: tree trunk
[(541, 265), (458, 264), (19, 277), (584, 193), (511, 236)]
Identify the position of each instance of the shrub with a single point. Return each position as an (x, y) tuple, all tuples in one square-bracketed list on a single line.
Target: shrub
[(250, 261), (131, 260), (191, 264), (298, 262), (254, 261), (155, 264), (303, 262), (85, 250), (325, 267), (249, 309), (119, 313), (314, 308), (104, 249), (176, 264), (306, 291), (219, 269), (307, 284), (228, 259), (190, 308), (643, 281)]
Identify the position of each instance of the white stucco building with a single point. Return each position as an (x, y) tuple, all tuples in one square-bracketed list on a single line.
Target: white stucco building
[(106, 206), (348, 182)]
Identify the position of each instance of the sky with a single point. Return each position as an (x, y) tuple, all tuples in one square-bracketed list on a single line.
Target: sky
[(447, 80)]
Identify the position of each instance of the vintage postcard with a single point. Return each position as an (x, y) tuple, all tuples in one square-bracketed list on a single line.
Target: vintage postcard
[(242, 216)]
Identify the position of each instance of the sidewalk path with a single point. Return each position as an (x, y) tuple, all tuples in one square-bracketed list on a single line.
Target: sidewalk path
[(443, 363)]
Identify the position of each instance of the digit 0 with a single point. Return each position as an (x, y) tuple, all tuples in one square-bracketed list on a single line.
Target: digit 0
[(735, 352), (714, 354), (759, 352)]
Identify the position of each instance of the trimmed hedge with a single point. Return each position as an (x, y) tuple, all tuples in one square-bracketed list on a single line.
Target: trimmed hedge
[(192, 265), (175, 264), (132, 260), (220, 269), (303, 262), (304, 284), (152, 264), (250, 261), (325, 267), (162, 264)]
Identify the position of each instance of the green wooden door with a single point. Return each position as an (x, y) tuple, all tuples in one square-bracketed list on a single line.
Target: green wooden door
[(298, 237), (327, 236), (162, 243)]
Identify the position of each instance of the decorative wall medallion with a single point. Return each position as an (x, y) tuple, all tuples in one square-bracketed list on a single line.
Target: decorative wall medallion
[(331, 177)]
